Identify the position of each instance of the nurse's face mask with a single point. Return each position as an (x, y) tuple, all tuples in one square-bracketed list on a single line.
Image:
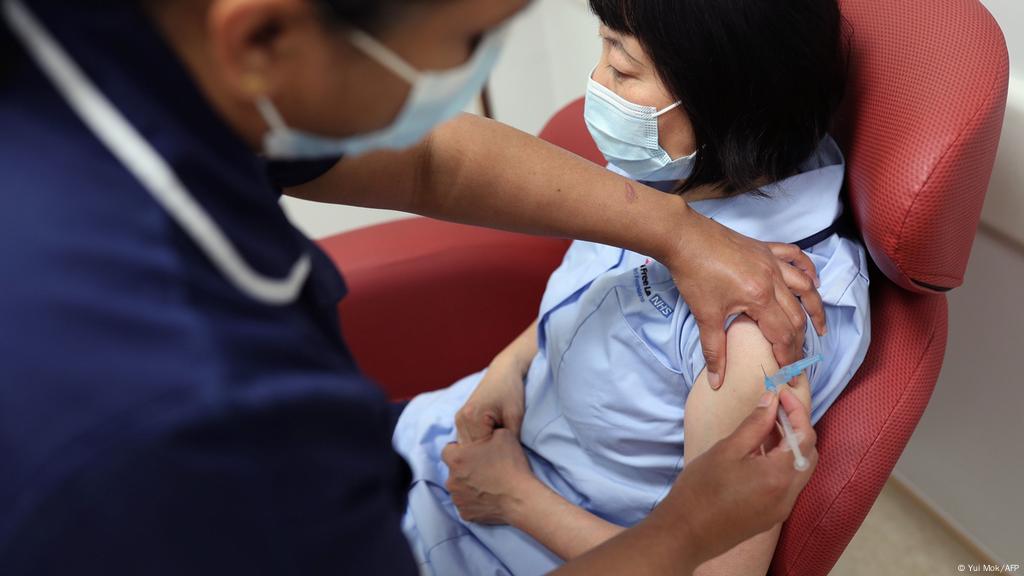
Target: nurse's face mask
[(627, 136), (436, 96)]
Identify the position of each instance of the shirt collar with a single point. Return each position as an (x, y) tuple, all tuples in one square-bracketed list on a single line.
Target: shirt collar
[(789, 210)]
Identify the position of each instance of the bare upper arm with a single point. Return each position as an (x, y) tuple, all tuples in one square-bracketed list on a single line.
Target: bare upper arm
[(713, 414)]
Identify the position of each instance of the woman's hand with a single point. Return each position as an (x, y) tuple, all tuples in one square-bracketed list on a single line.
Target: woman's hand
[(490, 479), (498, 401), (720, 273)]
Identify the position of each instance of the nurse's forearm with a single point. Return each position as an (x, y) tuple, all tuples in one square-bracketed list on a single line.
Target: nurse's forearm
[(651, 548), (486, 173), (567, 530), (477, 171)]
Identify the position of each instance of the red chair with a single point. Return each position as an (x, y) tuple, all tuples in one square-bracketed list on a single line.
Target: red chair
[(920, 126)]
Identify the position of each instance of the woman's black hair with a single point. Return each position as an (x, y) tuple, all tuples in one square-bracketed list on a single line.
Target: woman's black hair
[(759, 79)]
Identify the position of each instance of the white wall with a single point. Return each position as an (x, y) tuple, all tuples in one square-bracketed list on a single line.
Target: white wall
[(1010, 15), (552, 49), (965, 456)]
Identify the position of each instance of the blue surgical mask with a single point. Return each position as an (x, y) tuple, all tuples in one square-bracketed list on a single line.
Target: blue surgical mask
[(627, 136), (435, 97)]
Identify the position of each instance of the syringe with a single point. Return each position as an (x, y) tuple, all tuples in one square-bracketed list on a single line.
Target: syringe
[(799, 460), (781, 378)]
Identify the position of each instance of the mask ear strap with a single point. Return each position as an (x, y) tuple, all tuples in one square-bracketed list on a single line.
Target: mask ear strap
[(270, 114), (669, 108), (383, 55)]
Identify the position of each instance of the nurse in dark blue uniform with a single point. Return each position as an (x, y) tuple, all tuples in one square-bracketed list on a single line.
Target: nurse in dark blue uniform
[(175, 395)]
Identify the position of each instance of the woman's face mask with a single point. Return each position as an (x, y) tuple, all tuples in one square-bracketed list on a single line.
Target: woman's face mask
[(436, 96), (627, 136)]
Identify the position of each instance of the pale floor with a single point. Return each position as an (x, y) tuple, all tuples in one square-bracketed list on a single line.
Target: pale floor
[(900, 537)]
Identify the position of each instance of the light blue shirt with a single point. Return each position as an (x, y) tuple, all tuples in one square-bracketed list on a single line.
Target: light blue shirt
[(618, 354)]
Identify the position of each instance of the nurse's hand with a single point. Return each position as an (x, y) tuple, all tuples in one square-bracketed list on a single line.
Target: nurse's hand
[(727, 495), (734, 491), (721, 273), (488, 479)]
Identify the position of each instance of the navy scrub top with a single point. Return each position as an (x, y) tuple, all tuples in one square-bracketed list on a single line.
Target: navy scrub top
[(154, 418)]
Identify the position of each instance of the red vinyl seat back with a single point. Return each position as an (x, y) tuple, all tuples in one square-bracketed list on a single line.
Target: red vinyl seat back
[(920, 126)]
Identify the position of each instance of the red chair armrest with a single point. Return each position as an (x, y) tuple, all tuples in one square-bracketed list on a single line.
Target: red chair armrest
[(430, 302)]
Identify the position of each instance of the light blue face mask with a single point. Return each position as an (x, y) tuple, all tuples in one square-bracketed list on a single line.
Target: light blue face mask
[(627, 135), (435, 98)]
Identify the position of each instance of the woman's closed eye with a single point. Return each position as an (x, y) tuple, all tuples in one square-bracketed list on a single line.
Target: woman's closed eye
[(618, 60), (616, 75)]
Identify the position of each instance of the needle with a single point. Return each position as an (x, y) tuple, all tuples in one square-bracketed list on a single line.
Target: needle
[(772, 383)]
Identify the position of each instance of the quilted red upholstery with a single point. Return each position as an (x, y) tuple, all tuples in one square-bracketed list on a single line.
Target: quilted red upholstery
[(430, 302), (920, 126), (862, 435)]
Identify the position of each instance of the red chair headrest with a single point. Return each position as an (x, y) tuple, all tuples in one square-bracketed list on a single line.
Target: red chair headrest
[(920, 126)]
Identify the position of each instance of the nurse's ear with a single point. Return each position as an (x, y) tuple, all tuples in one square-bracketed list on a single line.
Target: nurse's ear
[(264, 47), (246, 37)]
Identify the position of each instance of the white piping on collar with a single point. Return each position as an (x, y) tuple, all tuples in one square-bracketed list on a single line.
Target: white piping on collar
[(146, 164)]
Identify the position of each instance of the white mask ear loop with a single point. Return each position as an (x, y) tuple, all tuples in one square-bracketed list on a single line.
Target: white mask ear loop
[(384, 56), (270, 114), (668, 108)]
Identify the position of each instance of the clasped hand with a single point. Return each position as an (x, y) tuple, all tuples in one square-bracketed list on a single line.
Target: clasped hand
[(488, 469)]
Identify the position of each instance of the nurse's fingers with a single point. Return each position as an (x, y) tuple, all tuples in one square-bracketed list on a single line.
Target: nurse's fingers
[(792, 254), (805, 290), (787, 341), (712, 341), (809, 297), (800, 418), (793, 309), (802, 278), (755, 428)]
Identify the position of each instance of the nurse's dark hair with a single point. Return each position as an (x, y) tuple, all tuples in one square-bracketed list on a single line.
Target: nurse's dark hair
[(362, 13), (9, 53), (759, 79)]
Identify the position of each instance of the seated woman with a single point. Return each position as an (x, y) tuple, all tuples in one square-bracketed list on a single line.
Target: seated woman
[(727, 103)]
